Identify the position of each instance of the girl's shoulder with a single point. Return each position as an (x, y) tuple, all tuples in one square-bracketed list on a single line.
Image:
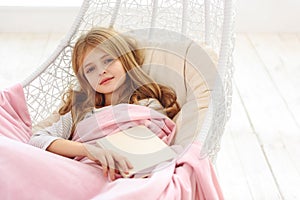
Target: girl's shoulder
[(95, 110), (149, 102), (153, 104)]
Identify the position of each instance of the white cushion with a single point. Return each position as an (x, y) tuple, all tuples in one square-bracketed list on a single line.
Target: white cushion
[(191, 71)]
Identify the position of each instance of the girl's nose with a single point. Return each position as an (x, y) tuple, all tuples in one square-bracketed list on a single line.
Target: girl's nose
[(102, 70)]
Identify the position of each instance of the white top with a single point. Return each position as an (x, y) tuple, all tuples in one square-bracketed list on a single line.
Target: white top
[(62, 128)]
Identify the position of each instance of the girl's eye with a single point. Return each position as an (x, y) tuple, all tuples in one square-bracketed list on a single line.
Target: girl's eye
[(108, 61), (90, 69)]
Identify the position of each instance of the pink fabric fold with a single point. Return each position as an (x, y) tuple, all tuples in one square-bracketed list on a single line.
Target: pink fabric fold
[(190, 178), (14, 117), (37, 174), (31, 173), (121, 117)]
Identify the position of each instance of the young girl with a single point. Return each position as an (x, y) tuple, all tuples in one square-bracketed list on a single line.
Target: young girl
[(108, 68)]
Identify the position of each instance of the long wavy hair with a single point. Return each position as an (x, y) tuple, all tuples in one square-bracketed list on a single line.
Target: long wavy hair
[(138, 84)]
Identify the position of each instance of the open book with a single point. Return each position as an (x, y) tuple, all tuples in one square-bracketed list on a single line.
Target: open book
[(140, 146)]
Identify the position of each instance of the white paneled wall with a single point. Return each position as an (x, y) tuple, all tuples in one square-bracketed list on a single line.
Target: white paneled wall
[(268, 16), (37, 19), (252, 16)]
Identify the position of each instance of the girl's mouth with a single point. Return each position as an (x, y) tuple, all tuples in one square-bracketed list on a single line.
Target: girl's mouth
[(105, 80)]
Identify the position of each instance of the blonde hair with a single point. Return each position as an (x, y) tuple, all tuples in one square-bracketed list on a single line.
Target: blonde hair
[(138, 84)]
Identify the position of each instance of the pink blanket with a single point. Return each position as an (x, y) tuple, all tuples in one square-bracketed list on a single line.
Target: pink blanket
[(37, 174), (14, 119)]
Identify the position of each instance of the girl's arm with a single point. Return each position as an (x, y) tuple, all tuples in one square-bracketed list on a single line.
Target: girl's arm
[(153, 104), (58, 130), (55, 140), (109, 160), (67, 148)]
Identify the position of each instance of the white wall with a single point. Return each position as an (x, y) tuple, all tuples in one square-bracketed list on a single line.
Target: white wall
[(37, 19), (252, 16), (268, 16)]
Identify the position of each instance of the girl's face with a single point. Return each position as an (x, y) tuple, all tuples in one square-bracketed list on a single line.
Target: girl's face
[(104, 73)]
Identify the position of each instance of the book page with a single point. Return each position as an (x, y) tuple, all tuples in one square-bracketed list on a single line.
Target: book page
[(140, 146), (136, 140)]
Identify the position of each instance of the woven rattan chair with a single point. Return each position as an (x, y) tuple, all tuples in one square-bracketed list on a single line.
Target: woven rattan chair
[(206, 22)]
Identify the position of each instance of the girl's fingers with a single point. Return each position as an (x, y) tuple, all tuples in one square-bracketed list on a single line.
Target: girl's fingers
[(129, 165), (111, 165), (103, 162), (108, 161), (122, 165)]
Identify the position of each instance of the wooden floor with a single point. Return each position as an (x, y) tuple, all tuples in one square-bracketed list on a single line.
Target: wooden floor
[(260, 150), (260, 154)]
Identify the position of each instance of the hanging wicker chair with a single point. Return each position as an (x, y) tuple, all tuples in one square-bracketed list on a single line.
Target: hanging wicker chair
[(208, 24)]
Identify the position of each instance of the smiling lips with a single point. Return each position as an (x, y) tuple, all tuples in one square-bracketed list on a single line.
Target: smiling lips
[(105, 80)]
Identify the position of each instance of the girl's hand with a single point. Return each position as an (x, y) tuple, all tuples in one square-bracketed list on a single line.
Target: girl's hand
[(109, 160)]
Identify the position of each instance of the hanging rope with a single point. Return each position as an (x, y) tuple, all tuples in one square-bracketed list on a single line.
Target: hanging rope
[(184, 17), (226, 36), (115, 13), (207, 22), (153, 17)]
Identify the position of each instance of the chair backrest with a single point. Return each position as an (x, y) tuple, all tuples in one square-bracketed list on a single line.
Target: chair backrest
[(191, 71)]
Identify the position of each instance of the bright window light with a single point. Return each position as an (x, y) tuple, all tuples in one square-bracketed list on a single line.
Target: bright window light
[(39, 3)]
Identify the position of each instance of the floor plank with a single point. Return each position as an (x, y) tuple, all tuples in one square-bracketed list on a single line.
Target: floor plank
[(230, 172), (280, 54), (245, 179), (272, 122)]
